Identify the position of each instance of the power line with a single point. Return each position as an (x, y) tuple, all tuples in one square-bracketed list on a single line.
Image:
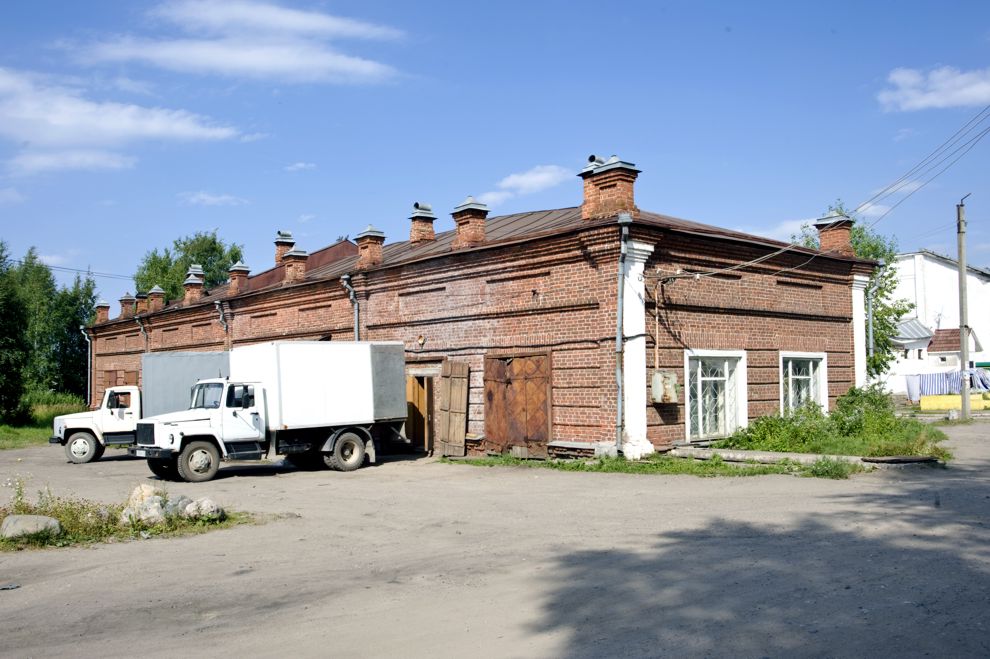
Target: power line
[(60, 268)]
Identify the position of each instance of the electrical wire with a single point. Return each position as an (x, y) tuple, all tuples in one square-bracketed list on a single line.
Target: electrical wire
[(60, 268)]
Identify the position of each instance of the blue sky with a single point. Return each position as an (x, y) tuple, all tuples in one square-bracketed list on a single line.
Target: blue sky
[(125, 125)]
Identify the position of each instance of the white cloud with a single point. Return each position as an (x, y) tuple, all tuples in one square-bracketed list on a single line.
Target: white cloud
[(203, 198), (256, 40), (537, 179), (52, 259), (944, 87), (58, 128), (10, 196), (306, 217), (874, 210), (783, 231), (37, 162), (254, 137), (132, 86), (263, 17), (299, 166), (61, 117)]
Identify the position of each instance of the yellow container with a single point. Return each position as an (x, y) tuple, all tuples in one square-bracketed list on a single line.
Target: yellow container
[(953, 402)]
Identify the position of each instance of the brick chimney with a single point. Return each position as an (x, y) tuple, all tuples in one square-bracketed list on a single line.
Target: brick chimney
[(102, 312), (422, 218), (193, 287), (835, 235), (141, 303), (238, 278), (156, 299), (369, 244), (470, 220), (284, 242), (295, 265), (608, 188), (126, 306)]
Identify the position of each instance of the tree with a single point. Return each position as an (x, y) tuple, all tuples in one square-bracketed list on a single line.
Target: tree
[(887, 312), (167, 268), (13, 341), (51, 317)]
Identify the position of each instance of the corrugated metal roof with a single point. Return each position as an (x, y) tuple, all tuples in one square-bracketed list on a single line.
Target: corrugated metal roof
[(911, 330), (333, 261)]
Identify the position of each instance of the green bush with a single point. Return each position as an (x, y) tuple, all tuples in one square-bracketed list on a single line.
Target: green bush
[(43, 406), (862, 423)]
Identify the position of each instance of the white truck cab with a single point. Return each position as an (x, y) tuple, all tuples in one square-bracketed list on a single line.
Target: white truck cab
[(86, 435)]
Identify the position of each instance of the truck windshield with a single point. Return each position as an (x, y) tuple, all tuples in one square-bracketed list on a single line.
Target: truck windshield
[(207, 395)]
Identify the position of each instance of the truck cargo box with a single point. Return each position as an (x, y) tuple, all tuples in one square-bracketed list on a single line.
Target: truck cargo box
[(325, 383), (168, 377)]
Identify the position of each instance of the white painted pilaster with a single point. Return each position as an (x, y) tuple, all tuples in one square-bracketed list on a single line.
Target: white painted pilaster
[(634, 442), (859, 284)]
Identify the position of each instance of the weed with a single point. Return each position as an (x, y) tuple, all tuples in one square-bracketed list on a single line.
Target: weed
[(86, 522), (657, 463), (831, 468), (862, 423)]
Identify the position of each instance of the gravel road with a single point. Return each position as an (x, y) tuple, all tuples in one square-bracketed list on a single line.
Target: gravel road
[(419, 558)]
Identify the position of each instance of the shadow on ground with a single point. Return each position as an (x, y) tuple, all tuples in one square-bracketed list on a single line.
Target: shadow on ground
[(903, 570)]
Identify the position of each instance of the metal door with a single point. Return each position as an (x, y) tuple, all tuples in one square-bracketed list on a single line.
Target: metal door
[(517, 403)]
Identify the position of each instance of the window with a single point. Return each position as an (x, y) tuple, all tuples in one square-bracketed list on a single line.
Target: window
[(802, 379), (207, 395), (237, 394), (716, 393)]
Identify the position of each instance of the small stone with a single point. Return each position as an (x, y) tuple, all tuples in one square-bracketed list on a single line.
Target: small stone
[(207, 507), (15, 526)]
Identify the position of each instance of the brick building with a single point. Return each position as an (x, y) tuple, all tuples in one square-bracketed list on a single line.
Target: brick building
[(510, 322)]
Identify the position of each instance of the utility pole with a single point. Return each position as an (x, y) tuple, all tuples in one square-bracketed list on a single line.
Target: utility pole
[(963, 306)]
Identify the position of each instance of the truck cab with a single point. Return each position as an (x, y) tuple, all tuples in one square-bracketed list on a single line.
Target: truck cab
[(225, 421), (85, 435)]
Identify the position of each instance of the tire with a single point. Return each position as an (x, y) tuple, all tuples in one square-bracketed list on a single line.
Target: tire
[(166, 469), (198, 462), (82, 447), (347, 454)]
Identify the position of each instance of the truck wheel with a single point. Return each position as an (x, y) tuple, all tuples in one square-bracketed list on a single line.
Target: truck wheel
[(198, 462), (347, 454), (165, 468), (82, 447)]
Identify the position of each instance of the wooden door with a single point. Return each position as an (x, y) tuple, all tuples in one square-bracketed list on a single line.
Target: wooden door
[(452, 415), (418, 403), (517, 403)]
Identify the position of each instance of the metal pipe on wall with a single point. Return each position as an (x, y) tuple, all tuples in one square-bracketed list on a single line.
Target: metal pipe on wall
[(89, 365), (352, 295), (625, 219)]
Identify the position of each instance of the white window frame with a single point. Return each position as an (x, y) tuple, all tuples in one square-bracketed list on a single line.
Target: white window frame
[(742, 386), (822, 376)]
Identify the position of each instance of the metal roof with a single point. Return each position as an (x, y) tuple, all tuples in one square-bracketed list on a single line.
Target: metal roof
[(911, 330)]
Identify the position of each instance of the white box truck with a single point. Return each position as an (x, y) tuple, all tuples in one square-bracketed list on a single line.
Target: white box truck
[(166, 378), (312, 401)]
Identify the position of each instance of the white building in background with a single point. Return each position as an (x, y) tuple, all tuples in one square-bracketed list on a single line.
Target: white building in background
[(930, 281)]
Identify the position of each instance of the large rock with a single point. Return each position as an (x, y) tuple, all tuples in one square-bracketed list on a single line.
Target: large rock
[(177, 507), (15, 526), (204, 507), (142, 493)]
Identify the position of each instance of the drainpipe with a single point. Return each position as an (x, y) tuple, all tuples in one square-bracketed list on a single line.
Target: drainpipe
[(89, 364), (223, 319), (346, 281), (625, 219), (146, 346)]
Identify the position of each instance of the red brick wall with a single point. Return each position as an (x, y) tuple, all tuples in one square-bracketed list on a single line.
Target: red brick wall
[(558, 293)]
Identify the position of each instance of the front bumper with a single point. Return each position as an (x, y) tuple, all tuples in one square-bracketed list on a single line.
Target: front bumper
[(150, 452), (54, 440)]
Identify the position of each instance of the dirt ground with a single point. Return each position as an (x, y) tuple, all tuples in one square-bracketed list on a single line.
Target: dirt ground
[(419, 558)]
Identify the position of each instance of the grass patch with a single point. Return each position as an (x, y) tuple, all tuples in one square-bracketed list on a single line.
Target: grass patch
[(23, 436), (86, 522), (830, 468), (863, 423), (657, 463)]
